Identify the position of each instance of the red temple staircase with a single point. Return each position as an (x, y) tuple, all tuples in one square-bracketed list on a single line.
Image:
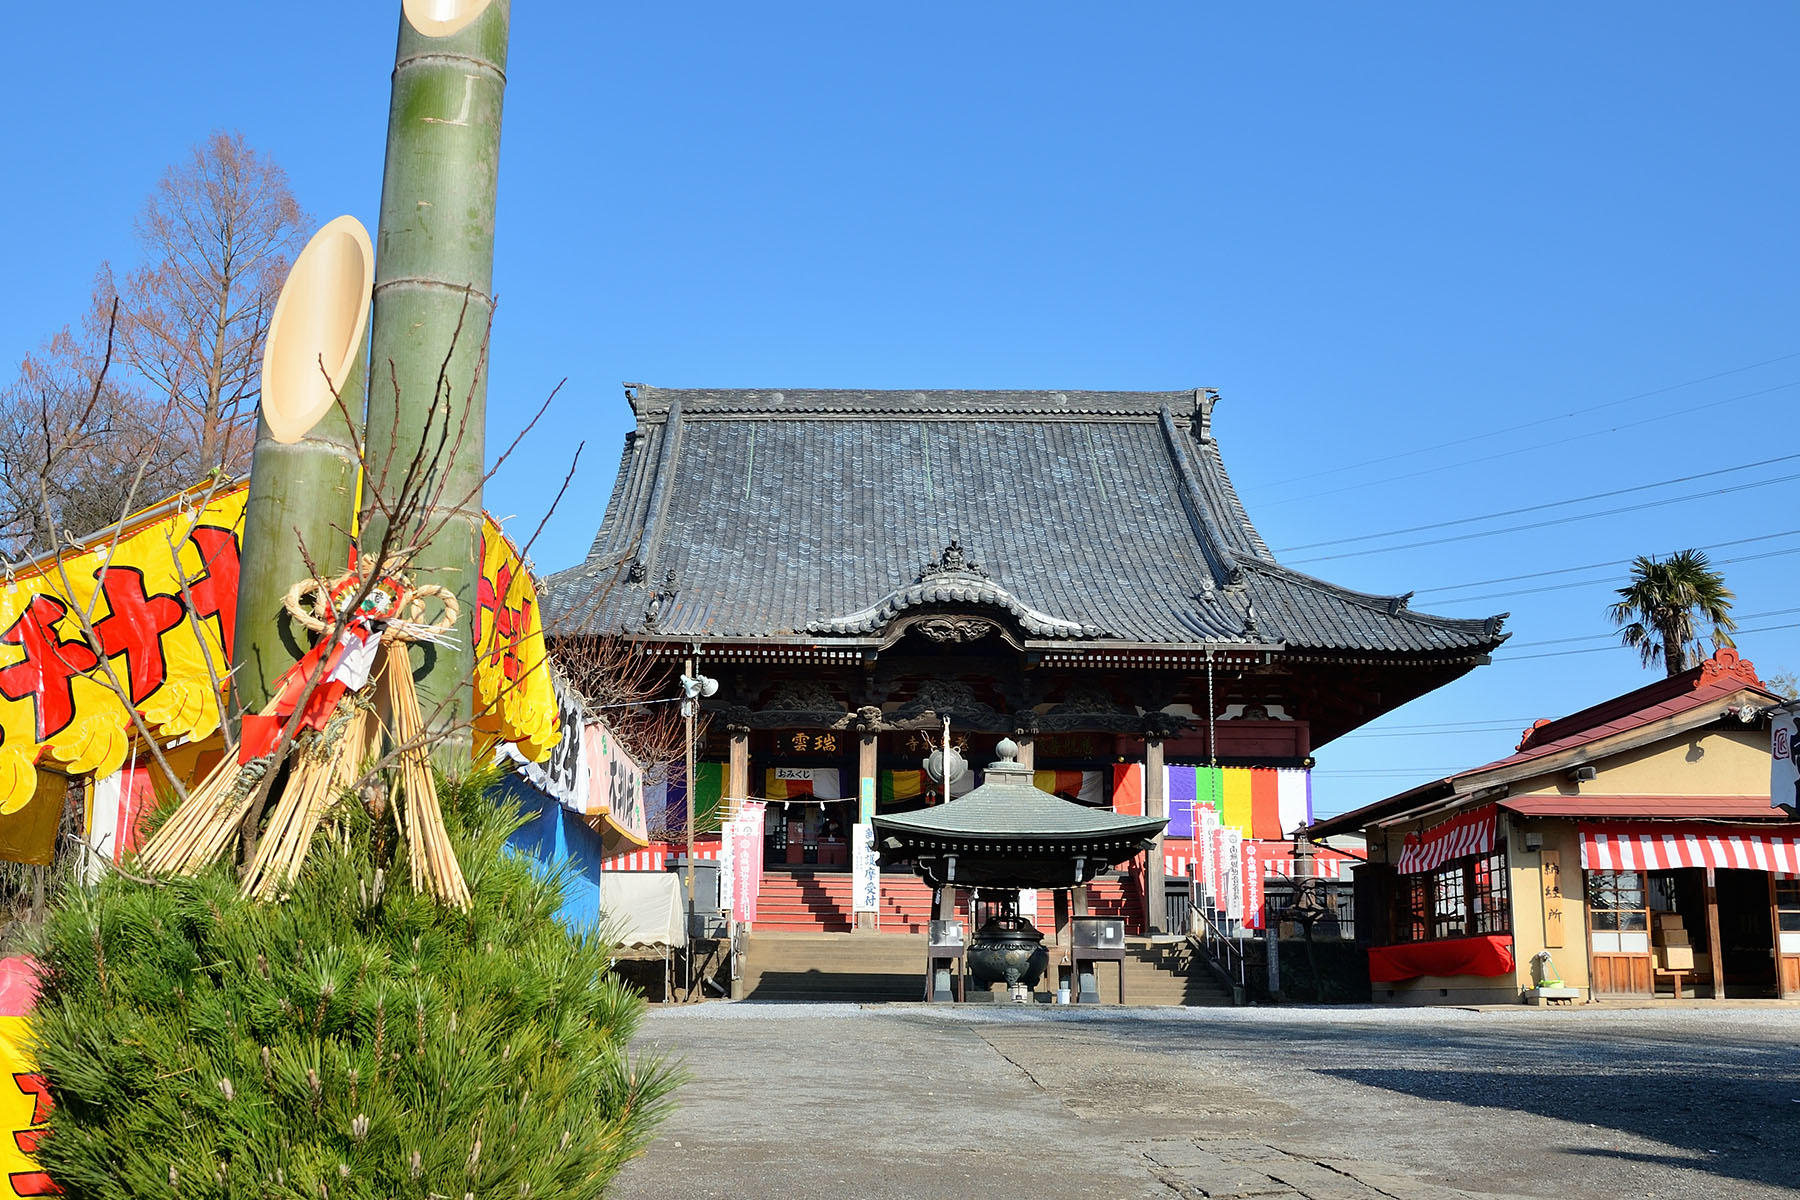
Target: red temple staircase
[(819, 902)]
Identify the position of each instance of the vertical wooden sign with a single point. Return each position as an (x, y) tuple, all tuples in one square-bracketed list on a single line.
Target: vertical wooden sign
[(1551, 870)]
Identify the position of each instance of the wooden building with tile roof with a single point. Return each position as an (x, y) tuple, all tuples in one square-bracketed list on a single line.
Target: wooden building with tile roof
[(1070, 569), (1631, 849)]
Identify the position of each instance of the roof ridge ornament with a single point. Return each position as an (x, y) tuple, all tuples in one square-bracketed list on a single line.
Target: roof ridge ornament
[(953, 561), (1204, 401), (1727, 663)]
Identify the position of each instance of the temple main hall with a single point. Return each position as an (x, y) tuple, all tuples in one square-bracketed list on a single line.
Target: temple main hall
[(1072, 570)]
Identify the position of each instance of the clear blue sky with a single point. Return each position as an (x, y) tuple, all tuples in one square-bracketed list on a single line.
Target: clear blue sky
[(1416, 247)]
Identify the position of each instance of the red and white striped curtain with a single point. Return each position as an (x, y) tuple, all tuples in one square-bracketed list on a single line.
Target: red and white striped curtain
[(655, 856), (1470, 833), (1327, 863), (1623, 846)]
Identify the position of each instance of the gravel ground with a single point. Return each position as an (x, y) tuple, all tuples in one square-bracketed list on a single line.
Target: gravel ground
[(1326, 1104)]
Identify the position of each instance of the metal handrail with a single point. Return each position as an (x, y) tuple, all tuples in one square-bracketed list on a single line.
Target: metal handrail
[(1220, 946)]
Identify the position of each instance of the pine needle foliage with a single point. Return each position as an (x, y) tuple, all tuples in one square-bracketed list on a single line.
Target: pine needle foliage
[(355, 1040)]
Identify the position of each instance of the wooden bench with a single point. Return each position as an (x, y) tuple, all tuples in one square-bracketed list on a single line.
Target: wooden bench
[(1674, 975)]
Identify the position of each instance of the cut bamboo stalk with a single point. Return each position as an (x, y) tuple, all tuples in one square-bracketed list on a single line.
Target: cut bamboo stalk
[(433, 305), (303, 470)]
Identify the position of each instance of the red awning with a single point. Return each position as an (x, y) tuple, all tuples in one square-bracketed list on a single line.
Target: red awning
[(1470, 833), (1661, 808), (1641, 846), (1491, 955)]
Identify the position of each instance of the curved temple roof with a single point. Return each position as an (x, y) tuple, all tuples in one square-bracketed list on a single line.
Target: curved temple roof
[(1092, 516)]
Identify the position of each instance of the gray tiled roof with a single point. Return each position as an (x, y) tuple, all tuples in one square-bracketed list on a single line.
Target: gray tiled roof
[(1089, 515), (1006, 805)]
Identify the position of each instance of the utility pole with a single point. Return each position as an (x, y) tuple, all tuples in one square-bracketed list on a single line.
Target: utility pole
[(693, 687), (688, 704)]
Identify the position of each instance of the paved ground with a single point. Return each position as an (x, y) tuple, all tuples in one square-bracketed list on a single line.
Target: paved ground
[(1328, 1104)]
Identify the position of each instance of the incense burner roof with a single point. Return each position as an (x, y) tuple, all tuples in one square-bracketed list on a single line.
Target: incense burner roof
[(1008, 833)]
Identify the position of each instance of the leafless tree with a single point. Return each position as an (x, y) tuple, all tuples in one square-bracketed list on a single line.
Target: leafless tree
[(217, 238)]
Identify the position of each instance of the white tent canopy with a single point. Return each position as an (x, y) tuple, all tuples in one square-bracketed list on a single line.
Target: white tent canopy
[(642, 909)]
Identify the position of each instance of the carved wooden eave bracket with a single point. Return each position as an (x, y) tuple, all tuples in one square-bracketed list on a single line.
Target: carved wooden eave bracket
[(946, 604)]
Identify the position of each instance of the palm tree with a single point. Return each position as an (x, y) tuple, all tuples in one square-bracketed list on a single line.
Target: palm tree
[(1657, 611)]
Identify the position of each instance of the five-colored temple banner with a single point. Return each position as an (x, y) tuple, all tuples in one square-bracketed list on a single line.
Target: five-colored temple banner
[(667, 798), (895, 786), (1259, 802), (1088, 787), (792, 783), (1128, 789)]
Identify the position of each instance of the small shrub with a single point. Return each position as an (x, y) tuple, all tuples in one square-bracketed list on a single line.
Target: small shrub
[(355, 1040)]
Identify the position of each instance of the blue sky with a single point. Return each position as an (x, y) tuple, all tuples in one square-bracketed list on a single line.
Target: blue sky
[(1441, 260)]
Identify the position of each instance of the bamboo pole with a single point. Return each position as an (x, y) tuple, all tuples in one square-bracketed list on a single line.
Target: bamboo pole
[(303, 472), (433, 305)]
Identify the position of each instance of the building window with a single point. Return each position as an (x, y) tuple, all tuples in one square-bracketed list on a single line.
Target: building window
[(1463, 898), (1490, 899), (1787, 905), (1618, 912)]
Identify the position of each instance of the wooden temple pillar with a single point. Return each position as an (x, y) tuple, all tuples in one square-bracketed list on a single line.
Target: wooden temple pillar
[(1156, 804), (737, 773), (1027, 749)]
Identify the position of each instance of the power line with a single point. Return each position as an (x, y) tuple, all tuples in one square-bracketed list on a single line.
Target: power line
[(1448, 724), (1427, 773), (1561, 443), (1589, 637), (1609, 512), (1615, 562), (1548, 504), (1609, 581), (1476, 437), (1512, 658), (1438, 732)]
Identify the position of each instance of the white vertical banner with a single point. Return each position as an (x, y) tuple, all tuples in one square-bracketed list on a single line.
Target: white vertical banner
[(103, 825), (1206, 835), (1233, 883), (750, 864), (729, 835), (1028, 904), (739, 860), (865, 869), (1784, 772)]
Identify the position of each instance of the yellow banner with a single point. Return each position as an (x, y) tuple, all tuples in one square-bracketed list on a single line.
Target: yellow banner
[(161, 601), (515, 700), (24, 1115)]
